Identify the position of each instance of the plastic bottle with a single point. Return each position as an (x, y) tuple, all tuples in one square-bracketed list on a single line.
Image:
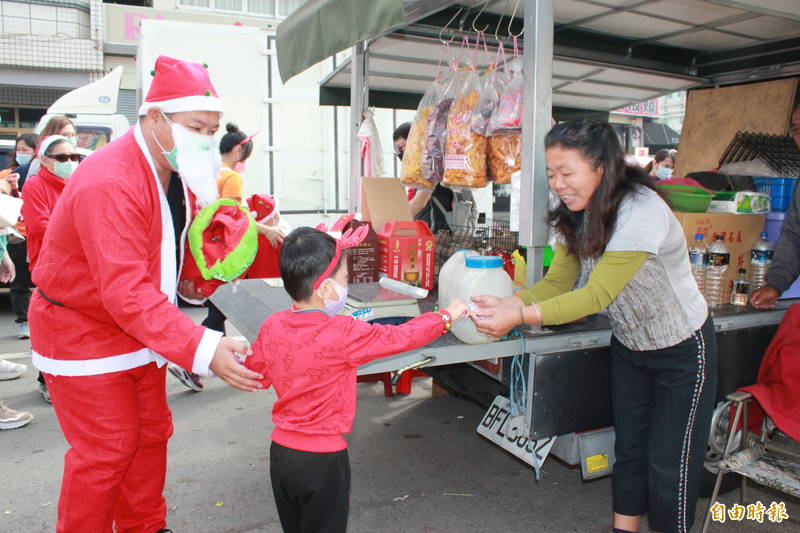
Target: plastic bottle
[(450, 267), (481, 274), (698, 259), (741, 288), (718, 260), (760, 260)]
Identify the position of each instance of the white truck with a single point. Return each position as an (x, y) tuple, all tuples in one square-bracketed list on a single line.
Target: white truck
[(93, 110), (237, 59)]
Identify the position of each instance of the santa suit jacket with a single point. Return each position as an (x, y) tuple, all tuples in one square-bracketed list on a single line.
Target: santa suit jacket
[(41, 194), (107, 273)]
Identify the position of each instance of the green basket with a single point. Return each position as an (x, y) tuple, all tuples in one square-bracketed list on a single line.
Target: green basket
[(725, 196), (687, 198)]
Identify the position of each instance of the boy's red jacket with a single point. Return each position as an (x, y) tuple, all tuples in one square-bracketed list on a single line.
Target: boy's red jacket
[(311, 360)]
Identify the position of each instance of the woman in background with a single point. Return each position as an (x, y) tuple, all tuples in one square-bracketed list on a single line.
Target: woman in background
[(661, 166)]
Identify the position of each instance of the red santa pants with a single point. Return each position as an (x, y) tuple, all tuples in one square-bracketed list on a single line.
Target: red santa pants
[(117, 425)]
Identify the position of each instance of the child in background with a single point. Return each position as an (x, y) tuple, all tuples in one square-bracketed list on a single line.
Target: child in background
[(310, 355)]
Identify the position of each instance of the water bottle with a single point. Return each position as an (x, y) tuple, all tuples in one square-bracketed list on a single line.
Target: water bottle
[(760, 259), (698, 259), (741, 289), (718, 259)]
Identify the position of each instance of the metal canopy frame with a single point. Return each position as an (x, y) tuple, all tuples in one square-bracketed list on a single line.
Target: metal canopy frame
[(601, 61)]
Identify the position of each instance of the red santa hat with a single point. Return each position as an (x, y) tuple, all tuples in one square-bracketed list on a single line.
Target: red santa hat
[(263, 207), (180, 86)]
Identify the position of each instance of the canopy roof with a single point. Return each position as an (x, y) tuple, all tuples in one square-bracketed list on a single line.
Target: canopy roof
[(607, 53)]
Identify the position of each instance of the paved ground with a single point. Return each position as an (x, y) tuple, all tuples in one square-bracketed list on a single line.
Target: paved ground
[(418, 466)]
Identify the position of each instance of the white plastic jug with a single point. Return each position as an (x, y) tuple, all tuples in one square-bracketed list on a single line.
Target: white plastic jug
[(481, 275), (449, 268)]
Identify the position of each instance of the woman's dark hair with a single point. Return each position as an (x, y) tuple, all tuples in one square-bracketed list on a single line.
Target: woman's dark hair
[(305, 254), (56, 124), (599, 145), (232, 139), (658, 158), (30, 139)]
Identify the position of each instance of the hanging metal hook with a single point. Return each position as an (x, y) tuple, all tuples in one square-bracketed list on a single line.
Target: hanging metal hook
[(513, 16), (460, 8), (474, 28), (499, 23)]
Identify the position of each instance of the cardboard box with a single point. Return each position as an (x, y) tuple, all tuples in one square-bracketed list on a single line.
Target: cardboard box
[(382, 200), (407, 252), (741, 232), (363, 261)]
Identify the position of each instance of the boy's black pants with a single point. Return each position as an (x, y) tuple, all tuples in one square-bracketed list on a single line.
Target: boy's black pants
[(312, 490)]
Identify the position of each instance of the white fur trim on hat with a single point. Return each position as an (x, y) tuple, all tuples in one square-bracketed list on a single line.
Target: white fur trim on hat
[(186, 103)]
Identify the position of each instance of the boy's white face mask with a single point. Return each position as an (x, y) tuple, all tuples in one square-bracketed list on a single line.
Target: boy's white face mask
[(334, 307)]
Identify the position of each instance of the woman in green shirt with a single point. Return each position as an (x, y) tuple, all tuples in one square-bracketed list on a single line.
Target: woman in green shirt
[(620, 248)]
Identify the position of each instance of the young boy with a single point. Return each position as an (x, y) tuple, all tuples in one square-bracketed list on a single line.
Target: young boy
[(310, 355)]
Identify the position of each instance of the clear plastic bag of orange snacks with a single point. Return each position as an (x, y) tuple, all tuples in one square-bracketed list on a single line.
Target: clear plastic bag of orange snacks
[(505, 157), (465, 150), (412, 172)]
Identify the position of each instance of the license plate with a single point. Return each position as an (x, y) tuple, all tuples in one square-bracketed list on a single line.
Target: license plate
[(509, 432)]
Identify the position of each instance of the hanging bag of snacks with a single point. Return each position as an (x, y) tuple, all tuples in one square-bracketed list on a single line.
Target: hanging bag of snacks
[(436, 134), (412, 173), (465, 150), (505, 125)]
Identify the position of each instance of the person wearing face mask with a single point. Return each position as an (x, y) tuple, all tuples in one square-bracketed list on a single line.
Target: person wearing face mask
[(18, 251), (310, 354), (58, 161), (104, 320), (624, 247), (661, 166)]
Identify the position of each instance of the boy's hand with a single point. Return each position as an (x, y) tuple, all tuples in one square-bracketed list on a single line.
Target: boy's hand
[(458, 309), (226, 364)]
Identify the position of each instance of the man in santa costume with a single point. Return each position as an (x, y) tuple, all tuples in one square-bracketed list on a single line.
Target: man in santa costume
[(104, 320)]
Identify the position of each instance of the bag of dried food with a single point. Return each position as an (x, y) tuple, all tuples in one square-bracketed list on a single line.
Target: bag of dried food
[(411, 173), (491, 87), (505, 157), (436, 134), (465, 150), (507, 116)]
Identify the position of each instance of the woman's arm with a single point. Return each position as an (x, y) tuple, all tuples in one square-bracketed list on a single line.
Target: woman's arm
[(560, 278), (609, 277), (420, 200)]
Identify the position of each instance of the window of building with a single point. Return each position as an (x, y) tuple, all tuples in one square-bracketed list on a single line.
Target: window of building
[(262, 8), (15, 120)]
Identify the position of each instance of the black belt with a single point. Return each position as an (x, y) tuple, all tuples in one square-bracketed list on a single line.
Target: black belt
[(43, 295)]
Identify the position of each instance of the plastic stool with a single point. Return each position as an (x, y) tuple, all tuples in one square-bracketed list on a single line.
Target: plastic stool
[(404, 385), (384, 377)]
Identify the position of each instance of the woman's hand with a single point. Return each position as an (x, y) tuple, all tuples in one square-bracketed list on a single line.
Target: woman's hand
[(498, 320)]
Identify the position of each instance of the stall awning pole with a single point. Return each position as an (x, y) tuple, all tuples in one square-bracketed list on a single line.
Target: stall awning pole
[(359, 92), (537, 109)]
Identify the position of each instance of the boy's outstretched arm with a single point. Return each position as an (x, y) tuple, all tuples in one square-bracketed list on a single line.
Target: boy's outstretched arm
[(365, 342)]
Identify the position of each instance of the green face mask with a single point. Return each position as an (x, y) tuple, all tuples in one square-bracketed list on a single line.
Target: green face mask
[(64, 170)]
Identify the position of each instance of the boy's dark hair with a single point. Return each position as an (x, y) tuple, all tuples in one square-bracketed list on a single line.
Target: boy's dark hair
[(305, 254), (402, 131)]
